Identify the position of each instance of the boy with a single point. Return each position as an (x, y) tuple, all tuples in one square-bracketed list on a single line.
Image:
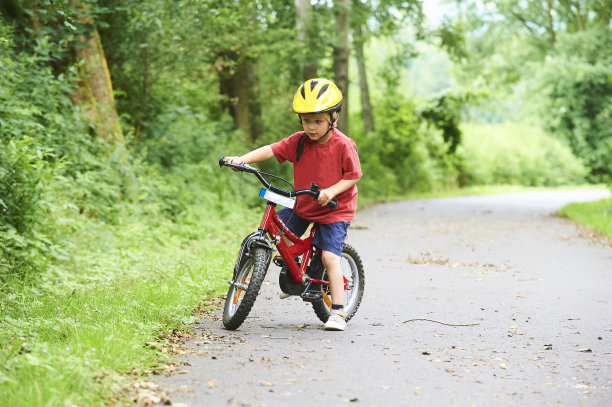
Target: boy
[(320, 154)]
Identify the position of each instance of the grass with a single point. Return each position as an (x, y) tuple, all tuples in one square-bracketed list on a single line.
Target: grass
[(597, 214), (71, 337)]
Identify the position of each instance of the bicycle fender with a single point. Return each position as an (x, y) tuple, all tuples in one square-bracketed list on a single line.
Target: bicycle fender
[(255, 239)]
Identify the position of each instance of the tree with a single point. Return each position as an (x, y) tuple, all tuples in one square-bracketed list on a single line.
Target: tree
[(341, 58), (370, 19), (366, 106), (304, 22), (95, 90), (71, 39)]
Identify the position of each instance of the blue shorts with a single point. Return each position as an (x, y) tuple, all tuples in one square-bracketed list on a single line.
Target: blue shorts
[(329, 237)]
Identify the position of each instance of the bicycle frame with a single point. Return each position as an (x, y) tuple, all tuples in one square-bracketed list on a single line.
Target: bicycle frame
[(276, 228)]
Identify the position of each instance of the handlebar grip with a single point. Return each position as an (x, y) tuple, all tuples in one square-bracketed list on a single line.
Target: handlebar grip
[(332, 205), (239, 167)]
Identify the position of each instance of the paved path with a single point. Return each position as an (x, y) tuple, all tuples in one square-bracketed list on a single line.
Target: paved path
[(538, 287)]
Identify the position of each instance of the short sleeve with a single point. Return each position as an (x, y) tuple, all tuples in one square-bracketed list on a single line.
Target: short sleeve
[(285, 149), (351, 167)]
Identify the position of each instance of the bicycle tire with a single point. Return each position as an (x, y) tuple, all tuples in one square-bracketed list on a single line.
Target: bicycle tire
[(239, 302), (351, 264)]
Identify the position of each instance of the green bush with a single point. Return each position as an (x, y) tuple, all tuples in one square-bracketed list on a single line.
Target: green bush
[(576, 80), (517, 154), (403, 154), (24, 172)]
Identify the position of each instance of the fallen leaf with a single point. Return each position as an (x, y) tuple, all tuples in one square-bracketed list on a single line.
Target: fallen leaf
[(212, 383), (503, 366), (265, 383)]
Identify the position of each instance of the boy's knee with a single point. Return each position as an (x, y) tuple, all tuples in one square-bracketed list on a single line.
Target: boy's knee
[(329, 257)]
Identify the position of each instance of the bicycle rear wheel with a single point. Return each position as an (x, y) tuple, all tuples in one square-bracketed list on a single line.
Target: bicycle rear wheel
[(245, 288), (352, 270)]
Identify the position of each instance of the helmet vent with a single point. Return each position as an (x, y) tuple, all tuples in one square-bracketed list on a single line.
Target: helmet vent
[(313, 84), (323, 89), (302, 92)]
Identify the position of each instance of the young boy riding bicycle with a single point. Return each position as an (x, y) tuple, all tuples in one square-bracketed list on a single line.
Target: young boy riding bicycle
[(320, 154)]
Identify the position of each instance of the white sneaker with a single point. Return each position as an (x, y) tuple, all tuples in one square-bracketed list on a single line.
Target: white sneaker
[(336, 321)]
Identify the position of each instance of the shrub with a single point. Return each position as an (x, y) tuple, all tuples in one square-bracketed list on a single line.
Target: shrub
[(517, 154), (24, 172)]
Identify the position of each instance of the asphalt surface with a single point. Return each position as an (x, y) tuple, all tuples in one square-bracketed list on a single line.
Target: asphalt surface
[(532, 293)]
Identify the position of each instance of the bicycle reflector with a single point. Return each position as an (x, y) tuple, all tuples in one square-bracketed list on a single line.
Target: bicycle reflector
[(276, 198)]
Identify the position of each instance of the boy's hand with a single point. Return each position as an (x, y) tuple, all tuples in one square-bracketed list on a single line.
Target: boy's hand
[(235, 161), (325, 196)]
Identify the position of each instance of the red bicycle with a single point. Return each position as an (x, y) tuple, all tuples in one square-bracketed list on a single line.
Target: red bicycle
[(302, 271)]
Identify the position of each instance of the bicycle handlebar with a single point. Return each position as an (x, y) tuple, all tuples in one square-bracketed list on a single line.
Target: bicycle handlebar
[(313, 191)]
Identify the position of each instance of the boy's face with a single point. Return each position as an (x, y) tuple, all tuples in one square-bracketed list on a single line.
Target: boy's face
[(316, 126)]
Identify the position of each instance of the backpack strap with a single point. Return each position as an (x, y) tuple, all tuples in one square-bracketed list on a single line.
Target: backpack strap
[(300, 147)]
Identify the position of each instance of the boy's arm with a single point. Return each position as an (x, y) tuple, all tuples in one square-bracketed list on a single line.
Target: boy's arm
[(255, 156), (327, 194)]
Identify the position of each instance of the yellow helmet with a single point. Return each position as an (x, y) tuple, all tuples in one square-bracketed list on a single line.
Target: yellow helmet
[(317, 96)]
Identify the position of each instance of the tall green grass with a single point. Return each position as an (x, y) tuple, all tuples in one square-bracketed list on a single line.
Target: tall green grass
[(69, 336)]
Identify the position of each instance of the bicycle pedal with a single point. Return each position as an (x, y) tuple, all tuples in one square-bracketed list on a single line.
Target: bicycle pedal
[(311, 296)]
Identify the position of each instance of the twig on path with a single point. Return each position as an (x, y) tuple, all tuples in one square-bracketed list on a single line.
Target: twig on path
[(439, 322), (276, 337)]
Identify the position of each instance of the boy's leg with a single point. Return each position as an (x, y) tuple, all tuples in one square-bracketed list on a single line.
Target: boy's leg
[(294, 223), (331, 262), (337, 319), (329, 239), (297, 226)]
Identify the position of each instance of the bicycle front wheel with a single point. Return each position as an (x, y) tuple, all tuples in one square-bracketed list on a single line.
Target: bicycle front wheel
[(352, 271), (245, 288)]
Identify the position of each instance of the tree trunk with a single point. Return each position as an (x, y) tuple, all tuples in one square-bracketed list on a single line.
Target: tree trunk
[(240, 101), (95, 91), (237, 84), (366, 106), (341, 58), (303, 22)]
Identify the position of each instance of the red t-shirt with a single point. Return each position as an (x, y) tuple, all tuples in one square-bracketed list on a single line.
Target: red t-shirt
[(323, 164)]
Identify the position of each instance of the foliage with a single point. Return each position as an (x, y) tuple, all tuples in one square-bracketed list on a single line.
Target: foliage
[(516, 154), (402, 154), (23, 174), (558, 53), (577, 82), (104, 312), (444, 113), (34, 116)]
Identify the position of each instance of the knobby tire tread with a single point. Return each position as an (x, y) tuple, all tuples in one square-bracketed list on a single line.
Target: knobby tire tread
[(260, 267)]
